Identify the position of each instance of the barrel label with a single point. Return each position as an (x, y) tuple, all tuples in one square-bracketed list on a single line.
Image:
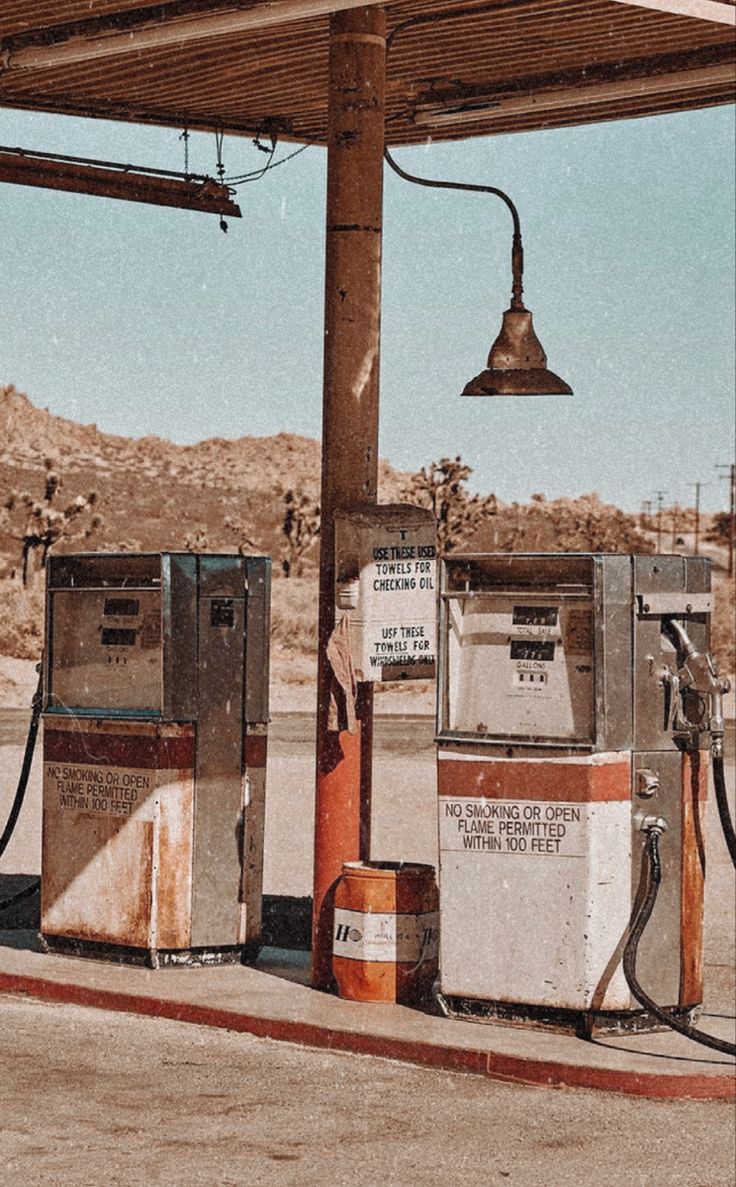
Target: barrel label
[(386, 938)]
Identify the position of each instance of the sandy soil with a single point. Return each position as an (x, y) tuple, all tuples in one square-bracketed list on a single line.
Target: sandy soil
[(18, 680), (90, 1098)]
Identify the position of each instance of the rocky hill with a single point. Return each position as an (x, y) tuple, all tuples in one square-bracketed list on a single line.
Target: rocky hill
[(223, 495), (153, 494)]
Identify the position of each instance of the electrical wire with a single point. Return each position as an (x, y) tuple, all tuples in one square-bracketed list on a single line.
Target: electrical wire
[(256, 174), (640, 918)]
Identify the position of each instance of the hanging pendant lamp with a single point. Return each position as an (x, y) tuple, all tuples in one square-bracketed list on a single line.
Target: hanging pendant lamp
[(517, 364)]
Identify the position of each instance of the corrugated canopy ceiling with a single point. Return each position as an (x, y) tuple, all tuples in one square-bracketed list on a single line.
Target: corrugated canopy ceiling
[(504, 66)]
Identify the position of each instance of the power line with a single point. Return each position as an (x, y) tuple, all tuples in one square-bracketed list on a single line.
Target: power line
[(731, 476), (659, 495)]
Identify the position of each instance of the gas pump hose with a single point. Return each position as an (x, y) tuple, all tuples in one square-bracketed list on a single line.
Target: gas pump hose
[(653, 875), (719, 782), (20, 792)]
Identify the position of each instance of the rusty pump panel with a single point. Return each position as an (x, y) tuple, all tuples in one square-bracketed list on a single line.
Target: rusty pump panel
[(155, 732), (571, 720)]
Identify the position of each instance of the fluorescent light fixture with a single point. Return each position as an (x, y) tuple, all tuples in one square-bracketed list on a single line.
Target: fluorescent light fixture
[(101, 37), (704, 10), (512, 103), (105, 179)]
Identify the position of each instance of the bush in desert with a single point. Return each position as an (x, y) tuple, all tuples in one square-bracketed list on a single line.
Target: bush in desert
[(294, 613), (722, 528), (21, 619), (560, 525)]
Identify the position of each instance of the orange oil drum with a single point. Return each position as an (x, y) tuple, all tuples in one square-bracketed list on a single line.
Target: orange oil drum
[(386, 932)]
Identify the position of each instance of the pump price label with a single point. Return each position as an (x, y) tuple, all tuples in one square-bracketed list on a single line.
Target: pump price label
[(530, 828)]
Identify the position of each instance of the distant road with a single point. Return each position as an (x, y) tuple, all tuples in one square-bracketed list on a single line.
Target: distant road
[(292, 732)]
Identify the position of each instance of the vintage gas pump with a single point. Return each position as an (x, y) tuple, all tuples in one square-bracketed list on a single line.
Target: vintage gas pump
[(155, 729), (576, 705)]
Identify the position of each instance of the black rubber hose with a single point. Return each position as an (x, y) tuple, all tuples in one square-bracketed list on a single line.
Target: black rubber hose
[(27, 892), (20, 791), (719, 782), (653, 874)]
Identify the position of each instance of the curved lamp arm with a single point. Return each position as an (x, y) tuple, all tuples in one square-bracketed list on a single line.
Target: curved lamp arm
[(517, 250)]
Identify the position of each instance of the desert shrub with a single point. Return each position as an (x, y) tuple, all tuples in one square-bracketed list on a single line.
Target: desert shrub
[(723, 639), (21, 619), (721, 528), (294, 613), (561, 525), (196, 540)]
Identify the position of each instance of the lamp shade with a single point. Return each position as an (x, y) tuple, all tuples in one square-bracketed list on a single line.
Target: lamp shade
[(517, 364)]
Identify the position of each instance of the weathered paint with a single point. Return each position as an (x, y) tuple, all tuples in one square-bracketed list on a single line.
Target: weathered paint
[(172, 908), (117, 832), (385, 932), (253, 828), (357, 78), (695, 793)]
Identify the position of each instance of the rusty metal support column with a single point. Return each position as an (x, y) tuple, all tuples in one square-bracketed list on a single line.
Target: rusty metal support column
[(349, 425)]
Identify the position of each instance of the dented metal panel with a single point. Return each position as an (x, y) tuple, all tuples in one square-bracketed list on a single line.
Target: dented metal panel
[(172, 908), (217, 865), (258, 638), (254, 822)]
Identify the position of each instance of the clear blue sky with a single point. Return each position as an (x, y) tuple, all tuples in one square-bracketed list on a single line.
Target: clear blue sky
[(145, 320)]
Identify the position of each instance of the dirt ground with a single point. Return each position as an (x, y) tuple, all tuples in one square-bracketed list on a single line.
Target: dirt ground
[(90, 1098)]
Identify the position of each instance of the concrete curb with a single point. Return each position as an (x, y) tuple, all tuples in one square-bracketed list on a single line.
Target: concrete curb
[(495, 1066)]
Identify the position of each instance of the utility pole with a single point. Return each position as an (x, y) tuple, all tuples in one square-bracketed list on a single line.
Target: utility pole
[(645, 521), (675, 525), (731, 475), (660, 503), (696, 542)]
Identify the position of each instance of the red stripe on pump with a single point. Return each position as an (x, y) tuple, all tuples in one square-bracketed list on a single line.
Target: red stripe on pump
[(573, 782), (118, 750), (255, 750)]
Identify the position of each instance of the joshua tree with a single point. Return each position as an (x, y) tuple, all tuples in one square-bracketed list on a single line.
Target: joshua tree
[(43, 524), (299, 528), (197, 540), (441, 487), (239, 533)]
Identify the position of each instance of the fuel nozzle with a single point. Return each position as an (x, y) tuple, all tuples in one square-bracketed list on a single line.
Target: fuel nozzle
[(648, 823), (699, 676)]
